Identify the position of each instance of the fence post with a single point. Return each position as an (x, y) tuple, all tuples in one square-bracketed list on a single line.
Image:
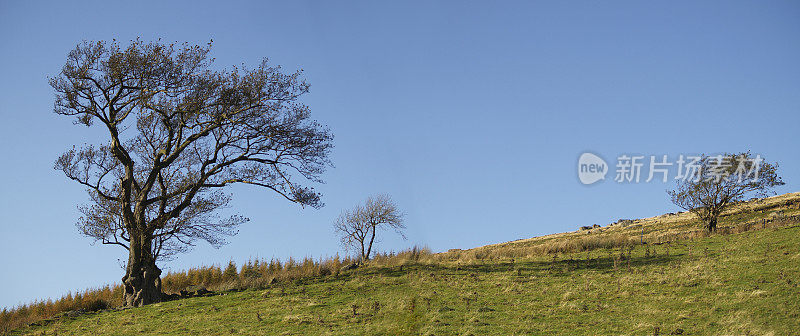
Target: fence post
[(641, 238)]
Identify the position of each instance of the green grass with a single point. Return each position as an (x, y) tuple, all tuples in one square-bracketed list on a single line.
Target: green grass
[(737, 284)]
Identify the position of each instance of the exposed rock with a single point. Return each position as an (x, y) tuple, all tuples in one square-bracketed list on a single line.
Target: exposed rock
[(202, 292), (190, 291), (350, 267), (169, 297), (75, 313)]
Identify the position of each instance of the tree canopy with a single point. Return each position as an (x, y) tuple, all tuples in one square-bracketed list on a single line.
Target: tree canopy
[(720, 181), (358, 227), (178, 131)]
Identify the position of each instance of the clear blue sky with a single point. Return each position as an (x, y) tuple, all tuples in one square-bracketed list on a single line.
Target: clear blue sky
[(472, 115)]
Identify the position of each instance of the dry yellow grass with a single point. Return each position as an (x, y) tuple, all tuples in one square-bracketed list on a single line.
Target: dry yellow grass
[(663, 229)]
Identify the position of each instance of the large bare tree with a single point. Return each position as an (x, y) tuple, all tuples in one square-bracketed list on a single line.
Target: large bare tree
[(358, 227), (178, 131), (717, 182)]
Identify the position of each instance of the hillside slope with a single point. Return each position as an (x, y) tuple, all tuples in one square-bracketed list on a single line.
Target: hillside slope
[(600, 281)]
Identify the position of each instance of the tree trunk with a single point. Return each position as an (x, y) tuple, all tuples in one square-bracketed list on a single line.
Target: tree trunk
[(142, 280), (361, 260), (371, 239), (712, 225)]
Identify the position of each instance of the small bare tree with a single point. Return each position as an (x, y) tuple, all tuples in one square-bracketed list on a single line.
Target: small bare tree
[(358, 227), (722, 180)]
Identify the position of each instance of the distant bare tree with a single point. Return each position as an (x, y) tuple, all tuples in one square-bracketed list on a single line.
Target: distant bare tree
[(720, 181), (178, 132), (358, 227)]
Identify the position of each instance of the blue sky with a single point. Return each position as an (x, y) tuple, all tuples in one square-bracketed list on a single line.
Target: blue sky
[(472, 115)]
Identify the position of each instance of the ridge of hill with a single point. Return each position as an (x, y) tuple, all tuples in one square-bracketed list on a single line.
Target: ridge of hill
[(659, 275)]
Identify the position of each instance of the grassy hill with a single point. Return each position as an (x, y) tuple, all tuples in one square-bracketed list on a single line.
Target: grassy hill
[(659, 275)]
